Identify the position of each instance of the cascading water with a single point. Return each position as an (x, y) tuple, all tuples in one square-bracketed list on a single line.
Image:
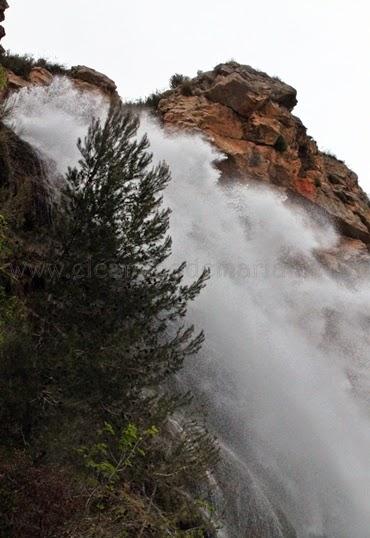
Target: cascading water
[(51, 117), (284, 374)]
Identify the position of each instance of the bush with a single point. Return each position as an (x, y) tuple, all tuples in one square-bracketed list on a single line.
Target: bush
[(3, 78), (134, 455), (22, 64), (187, 88), (281, 144), (176, 80), (54, 68), (183, 83), (153, 99)]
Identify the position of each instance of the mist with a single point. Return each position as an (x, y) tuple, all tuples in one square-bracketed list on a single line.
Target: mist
[(283, 374)]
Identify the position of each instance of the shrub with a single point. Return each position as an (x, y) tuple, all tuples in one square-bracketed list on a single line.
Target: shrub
[(176, 80), (187, 88), (153, 99), (3, 78), (99, 346), (281, 144), (134, 455), (22, 64), (54, 68)]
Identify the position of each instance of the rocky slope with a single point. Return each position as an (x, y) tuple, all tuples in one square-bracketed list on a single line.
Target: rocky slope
[(248, 116)]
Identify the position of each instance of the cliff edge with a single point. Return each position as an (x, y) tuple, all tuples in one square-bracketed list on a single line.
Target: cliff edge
[(248, 116)]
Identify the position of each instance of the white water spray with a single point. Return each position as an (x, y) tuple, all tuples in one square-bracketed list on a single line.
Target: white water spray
[(285, 371), (52, 118)]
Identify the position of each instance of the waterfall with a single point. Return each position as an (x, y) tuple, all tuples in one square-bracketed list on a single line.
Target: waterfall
[(284, 374)]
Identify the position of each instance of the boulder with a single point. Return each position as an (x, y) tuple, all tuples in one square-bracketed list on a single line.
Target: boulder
[(15, 82), (40, 76), (234, 92), (86, 74), (245, 89)]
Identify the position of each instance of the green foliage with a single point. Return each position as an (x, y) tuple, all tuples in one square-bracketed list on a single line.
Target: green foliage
[(22, 64), (124, 449), (153, 99), (134, 455), (16, 379), (54, 67), (3, 78), (112, 219), (94, 342), (176, 80), (182, 82), (281, 144)]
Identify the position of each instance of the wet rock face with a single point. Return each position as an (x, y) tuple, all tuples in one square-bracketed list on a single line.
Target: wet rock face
[(248, 116)]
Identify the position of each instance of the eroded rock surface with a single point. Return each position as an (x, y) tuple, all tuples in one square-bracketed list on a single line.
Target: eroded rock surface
[(87, 75), (248, 116), (85, 79)]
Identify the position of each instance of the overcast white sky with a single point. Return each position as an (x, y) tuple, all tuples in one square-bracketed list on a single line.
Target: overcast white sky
[(321, 47)]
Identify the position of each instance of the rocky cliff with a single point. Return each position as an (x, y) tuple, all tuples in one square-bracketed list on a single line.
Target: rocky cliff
[(248, 116)]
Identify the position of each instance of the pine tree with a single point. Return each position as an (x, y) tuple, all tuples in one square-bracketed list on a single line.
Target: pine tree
[(121, 309), (103, 330)]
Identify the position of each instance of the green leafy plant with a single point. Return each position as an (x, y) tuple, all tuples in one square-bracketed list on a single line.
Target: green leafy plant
[(111, 459)]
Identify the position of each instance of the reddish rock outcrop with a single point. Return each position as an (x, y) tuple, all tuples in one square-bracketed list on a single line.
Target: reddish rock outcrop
[(89, 78), (85, 80), (248, 116), (14, 82), (40, 76)]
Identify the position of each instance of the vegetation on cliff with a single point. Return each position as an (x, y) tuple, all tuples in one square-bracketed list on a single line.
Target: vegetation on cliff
[(22, 64), (93, 441)]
